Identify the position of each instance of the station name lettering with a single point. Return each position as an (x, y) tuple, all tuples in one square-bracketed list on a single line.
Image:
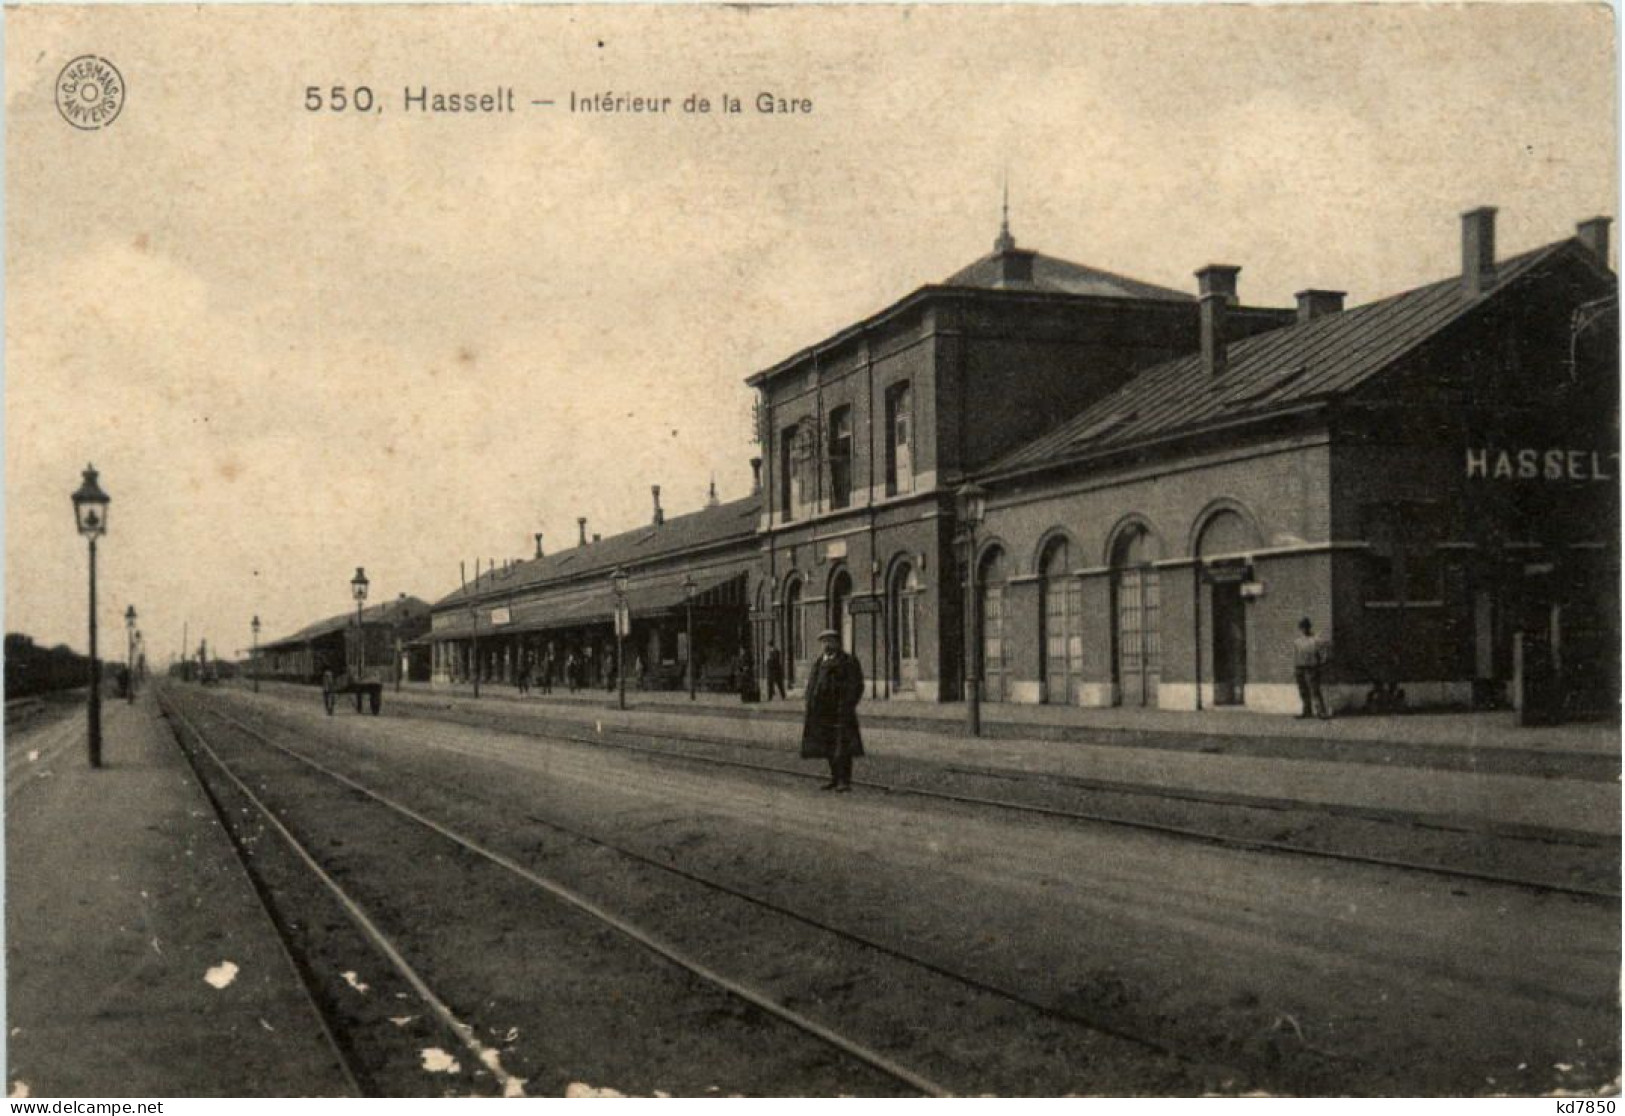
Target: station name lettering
[(1547, 465)]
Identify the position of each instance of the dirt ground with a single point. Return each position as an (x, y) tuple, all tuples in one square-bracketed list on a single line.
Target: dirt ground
[(1166, 965)]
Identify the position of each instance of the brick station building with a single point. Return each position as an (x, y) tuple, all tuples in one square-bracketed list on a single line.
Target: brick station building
[(1173, 479), (1423, 476)]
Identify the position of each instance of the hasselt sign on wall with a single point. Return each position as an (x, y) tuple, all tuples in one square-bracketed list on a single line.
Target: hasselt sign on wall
[(1542, 464)]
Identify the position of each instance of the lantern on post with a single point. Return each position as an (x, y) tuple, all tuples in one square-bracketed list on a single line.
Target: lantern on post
[(971, 504), (623, 626), (688, 600), (90, 515), (254, 656), (129, 654), (358, 589)]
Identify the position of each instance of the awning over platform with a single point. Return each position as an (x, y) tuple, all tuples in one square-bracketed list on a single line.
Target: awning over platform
[(596, 605)]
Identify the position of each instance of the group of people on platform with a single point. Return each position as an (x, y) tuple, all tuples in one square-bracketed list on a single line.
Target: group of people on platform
[(830, 730)]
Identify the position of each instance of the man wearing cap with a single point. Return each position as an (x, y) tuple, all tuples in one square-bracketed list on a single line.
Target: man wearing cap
[(831, 729), (1309, 655)]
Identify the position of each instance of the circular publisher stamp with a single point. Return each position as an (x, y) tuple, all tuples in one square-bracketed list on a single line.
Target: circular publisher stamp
[(90, 92)]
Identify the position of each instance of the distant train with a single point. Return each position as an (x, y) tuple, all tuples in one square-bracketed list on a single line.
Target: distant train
[(31, 669)]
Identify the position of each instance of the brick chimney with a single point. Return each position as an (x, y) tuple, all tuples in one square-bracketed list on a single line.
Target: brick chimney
[(1594, 235), (1478, 250), (660, 515), (538, 544), (755, 475), (1314, 304), (596, 537), (1216, 284), (581, 522)]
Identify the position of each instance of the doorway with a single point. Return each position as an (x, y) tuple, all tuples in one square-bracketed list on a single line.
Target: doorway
[(1229, 645)]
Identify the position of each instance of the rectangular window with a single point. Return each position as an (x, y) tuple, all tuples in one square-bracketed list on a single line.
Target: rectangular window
[(787, 473), (840, 457), (899, 439)]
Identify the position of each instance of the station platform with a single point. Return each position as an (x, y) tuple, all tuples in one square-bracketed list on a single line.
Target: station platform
[(139, 961), (1481, 770)]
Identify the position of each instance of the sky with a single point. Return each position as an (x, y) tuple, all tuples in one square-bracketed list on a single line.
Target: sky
[(295, 343)]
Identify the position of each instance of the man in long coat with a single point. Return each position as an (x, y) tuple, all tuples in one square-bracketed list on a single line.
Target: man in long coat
[(830, 731)]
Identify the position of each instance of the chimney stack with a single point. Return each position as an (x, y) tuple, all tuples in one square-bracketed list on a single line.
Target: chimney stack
[(1314, 304), (581, 522), (660, 515), (1594, 235), (755, 475), (711, 500), (1216, 284), (596, 537), (538, 544), (1478, 250)]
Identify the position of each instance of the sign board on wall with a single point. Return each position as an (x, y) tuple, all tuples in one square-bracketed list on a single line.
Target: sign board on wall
[(500, 616)]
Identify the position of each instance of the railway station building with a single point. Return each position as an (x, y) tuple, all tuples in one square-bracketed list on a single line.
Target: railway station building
[(867, 434), (1174, 480), (1424, 477), (690, 568)]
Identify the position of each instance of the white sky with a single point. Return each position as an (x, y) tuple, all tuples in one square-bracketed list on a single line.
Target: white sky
[(295, 344)]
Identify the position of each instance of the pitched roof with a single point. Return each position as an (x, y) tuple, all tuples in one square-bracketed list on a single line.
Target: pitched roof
[(1273, 371), (386, 612), (734, 520), (1059, 277)]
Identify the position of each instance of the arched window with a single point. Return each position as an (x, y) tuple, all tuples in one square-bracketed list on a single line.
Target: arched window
[(794, 631), (902, 635), (1137, 607), (990, 589), (1061, 610)]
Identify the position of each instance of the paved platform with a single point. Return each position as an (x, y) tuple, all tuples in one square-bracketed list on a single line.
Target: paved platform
[(1478, 770), (1498, 729), (123, 896)]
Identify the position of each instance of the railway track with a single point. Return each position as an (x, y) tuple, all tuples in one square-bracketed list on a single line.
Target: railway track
[(880, 1066), (616, 739)]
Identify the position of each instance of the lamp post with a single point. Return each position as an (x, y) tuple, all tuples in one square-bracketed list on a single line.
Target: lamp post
[(623, 621), (358, 589), (688, 601), (971, 501), (129, 654), (90, 513), (254, 656)]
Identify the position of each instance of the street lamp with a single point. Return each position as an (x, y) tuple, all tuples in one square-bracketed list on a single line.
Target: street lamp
[(129, 654), (623, 623), (254, 656), (358, 589), (90, 512), (971, 501), (688, 600)]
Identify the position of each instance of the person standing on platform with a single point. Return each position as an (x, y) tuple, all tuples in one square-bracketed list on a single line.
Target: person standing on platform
[(1310, 654), (775, 672), (830, 731), (745, 676), (572, 671)]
